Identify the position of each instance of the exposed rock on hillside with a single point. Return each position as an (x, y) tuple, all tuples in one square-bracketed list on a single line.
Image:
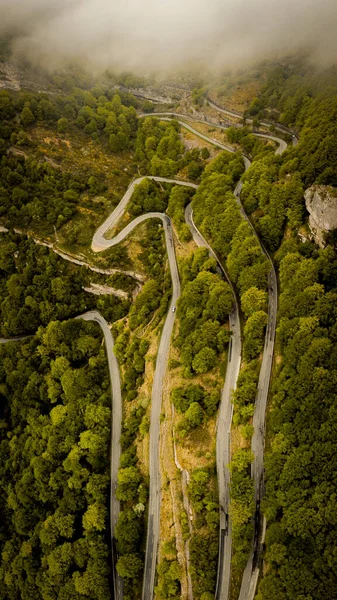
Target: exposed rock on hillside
[(9, 76), (321, 203)]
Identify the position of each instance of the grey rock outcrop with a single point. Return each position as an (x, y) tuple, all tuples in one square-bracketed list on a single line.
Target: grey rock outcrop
[(321, 203)]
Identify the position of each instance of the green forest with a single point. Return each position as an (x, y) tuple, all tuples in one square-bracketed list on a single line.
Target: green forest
[(300, 468), (55, 413), (55, 427), (300, 503), (37, 286), (55, 400), (300, 462), (300, 472)]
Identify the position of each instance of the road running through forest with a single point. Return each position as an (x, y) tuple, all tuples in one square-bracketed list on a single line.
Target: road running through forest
[(116, 429), (18, 338), (223, 438), (100, 243), (232, 113), (251, 573)]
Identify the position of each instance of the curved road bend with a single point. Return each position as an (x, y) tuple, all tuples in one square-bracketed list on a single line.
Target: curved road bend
[(282, 145), (99, 243), (232, 113), (251, 572), (17, 338), (116, 428), (223, 454)]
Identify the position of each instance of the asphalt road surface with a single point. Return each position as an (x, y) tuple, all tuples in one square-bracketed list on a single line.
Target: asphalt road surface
[(17, 338), (251, 572), (100, 243), (223, 440), (116, 428), (232, 113)]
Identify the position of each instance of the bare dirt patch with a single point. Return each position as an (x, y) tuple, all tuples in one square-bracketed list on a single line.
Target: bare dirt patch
[(237, 96)]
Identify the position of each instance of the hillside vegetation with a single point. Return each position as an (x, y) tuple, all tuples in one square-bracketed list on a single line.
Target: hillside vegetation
[(300, 501), (66, 160), (55, 421), (300, 470)]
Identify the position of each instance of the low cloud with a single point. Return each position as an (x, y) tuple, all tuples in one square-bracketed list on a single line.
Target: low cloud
[(147, 35)]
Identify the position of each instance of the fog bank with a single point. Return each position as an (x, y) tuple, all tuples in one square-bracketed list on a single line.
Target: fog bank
[(145, 35)]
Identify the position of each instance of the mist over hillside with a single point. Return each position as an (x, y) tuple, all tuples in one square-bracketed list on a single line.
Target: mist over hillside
[(162, 34), (168, 300)]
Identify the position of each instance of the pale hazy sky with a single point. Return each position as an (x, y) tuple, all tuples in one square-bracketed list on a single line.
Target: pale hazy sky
[(152, 34)]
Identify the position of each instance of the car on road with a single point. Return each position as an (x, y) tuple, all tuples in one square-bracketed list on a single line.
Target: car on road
[(174, 309)]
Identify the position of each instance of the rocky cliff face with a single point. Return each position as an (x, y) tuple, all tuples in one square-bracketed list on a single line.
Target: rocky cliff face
[(321, 203)]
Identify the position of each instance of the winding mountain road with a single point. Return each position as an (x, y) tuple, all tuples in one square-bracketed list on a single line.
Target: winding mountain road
[(100, 243), (116, 429), (232, 113), (167, 116), (223, 440), (251, 572)]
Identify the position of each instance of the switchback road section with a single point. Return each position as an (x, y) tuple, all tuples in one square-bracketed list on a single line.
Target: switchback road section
[(232, 113), (116, 428), (100, 243), (251, 572), (223, 439)]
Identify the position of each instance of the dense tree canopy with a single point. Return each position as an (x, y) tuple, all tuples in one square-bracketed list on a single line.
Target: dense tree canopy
[(300, 462), (55, 402), (203, 310), (301, 466), (37, 286), (55, 479)]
